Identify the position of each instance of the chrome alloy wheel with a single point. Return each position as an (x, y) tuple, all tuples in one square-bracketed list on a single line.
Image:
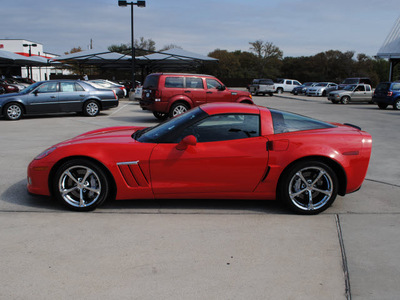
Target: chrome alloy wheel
[(179, 109), (14, 112), (92, 109), (310, 188), (79, 186)]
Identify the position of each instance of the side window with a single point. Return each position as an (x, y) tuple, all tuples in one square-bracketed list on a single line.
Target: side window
[(396, 87), (67, 87), (174, 82), (48, 87), (289, 82), (360, 88), (225, 127), (288, 122), (78, 87), (212, 83), (194, 83), (368, 88)]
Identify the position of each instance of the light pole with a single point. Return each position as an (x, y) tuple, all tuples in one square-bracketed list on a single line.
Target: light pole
[(30, 54), (138, 4)]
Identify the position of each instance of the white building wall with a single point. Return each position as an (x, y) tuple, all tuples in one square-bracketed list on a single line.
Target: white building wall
[(38, 73)]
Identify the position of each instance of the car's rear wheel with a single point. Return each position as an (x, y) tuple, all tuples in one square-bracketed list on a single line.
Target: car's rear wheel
[(279, 90), (345, 100), (13, 111), (160, 116), (91, 108), (382, 105), (308, 187), (80, 185), (178, 109), (396, 105)]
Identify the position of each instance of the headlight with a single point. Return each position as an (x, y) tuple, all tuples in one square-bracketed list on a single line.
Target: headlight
[(45, 153)]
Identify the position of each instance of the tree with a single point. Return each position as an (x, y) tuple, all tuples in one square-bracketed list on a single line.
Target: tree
[(269, 58)]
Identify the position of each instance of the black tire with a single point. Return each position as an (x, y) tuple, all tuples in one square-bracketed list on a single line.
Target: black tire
[(345, 100), (91, 108), (13, 111), (320, 183), (396, 105), (324, 94), (271, 94), (160, 116), (80, 185), (382, 105), (177, 109), (335, 101)]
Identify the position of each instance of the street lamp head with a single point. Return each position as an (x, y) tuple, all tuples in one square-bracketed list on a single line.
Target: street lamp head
[(122, 3), (141, 4)]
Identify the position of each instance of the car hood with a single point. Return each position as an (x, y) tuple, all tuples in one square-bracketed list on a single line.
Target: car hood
[(104, 135), (9, 95)]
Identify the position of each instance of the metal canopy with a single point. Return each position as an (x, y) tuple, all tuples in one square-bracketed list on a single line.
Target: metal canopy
[(176, 59), (391, 45), (8, 58), (173, 59), (391, 48)]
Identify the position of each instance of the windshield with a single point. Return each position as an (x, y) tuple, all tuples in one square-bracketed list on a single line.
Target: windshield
[(350, 87), (350, 81), (167, 131), (31, 88), (321, 84)]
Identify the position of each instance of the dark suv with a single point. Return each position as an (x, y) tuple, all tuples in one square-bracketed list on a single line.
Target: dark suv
[(354, 80), (171, 94), (387, 93)]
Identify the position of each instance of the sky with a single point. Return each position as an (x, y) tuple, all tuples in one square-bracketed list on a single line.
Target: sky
[(297, 27)]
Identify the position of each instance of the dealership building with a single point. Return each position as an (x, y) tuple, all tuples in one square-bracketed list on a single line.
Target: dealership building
[(28, 48)]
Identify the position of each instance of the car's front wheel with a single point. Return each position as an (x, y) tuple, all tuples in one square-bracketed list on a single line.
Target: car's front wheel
[(178, 109), (308, 187), (345, 100), (80, 185), (91, 108), (13, 111)]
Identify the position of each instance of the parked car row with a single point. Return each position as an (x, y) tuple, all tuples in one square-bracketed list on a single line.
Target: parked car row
[(56, 96)]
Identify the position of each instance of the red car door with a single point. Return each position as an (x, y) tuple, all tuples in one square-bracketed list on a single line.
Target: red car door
[(216, 91), (212, 167), (229, 156)]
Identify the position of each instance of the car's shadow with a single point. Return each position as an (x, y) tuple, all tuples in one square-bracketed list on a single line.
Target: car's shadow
[(19, 199)]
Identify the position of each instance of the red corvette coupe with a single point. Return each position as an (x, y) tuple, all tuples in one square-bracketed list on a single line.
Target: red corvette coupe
[(215, 151)]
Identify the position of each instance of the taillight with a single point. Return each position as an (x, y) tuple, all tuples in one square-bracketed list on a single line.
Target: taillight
[(390, 94)]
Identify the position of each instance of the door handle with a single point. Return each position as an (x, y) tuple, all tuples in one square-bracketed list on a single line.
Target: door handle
[(187, 91), (53, 97), (208, 92)]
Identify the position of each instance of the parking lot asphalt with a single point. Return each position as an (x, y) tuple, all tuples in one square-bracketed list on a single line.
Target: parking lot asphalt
[(177, 249)]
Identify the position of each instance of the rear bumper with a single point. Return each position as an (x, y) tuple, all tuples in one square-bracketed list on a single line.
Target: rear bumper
[(154, 106)]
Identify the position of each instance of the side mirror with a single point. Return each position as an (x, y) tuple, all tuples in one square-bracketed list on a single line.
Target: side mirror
[(221, 88), (35, 92), (187, 141)]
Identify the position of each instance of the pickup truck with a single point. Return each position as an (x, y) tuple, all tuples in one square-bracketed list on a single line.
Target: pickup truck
[(286, 85), (262, 86), (352, 93)]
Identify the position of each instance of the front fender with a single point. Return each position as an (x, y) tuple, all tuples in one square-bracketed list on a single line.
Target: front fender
[(244, 99)]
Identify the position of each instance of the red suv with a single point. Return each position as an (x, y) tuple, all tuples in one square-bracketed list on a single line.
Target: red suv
[(168, 95)]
